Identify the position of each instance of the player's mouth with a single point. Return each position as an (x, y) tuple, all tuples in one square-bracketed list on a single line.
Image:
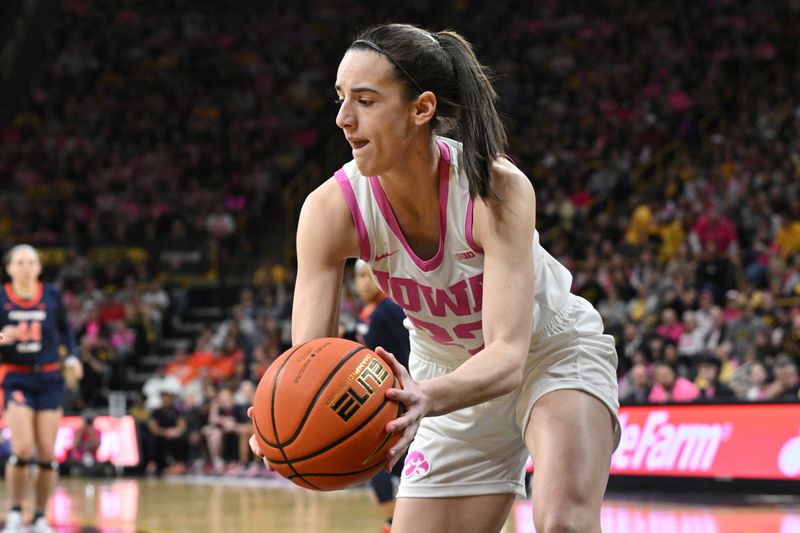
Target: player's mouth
[(357, 144)]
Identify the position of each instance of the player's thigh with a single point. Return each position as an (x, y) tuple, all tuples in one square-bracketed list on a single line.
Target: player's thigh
[(18, 418), (570, 435), (46, 427), (466, 514)]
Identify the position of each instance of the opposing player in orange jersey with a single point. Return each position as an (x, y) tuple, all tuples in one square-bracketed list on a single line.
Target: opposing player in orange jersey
[(34, 326)]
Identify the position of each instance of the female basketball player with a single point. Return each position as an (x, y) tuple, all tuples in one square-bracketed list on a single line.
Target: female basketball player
[(504, 360), (34, 326)]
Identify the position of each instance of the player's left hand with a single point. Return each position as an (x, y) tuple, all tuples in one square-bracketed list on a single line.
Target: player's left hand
[(75, 364), (413, 398), (254, 444)]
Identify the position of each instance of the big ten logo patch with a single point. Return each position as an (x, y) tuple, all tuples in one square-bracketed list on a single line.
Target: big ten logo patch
[(363, 384)]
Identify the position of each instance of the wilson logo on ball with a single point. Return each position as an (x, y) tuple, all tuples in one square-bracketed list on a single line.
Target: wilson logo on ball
[(348, 403)]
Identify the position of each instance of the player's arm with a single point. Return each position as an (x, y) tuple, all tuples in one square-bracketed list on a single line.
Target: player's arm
[(505, 231), (326, 237)]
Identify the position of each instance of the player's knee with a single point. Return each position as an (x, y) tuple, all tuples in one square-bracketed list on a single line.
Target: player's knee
[(567, 520), (45, 458), (48, 465), (23, 451), (19, 460)]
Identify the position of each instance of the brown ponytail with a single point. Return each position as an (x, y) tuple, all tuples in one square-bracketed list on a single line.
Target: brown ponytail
[(445, 64)]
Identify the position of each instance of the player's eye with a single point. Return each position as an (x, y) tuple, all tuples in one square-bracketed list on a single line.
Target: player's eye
[(338, 101)]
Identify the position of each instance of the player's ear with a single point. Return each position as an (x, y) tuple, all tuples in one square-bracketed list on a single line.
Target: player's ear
[(424, 108)]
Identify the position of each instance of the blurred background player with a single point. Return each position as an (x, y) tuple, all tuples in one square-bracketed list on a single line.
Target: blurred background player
[(34, 326), (380, 323)]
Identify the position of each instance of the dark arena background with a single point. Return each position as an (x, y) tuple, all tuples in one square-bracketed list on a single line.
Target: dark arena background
[(157, 153)]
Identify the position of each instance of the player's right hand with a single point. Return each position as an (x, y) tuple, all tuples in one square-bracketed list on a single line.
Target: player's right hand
[(9, 334), (254, 445), (413, 397)]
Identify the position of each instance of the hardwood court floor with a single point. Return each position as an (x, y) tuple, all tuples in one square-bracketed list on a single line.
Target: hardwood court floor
[(217, 505)]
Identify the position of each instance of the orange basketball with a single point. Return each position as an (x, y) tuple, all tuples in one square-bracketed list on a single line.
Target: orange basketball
[(320, 413)]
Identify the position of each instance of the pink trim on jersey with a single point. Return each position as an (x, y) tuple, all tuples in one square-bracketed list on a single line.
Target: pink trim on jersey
[(388, 215), (468, 228), (358, 220)]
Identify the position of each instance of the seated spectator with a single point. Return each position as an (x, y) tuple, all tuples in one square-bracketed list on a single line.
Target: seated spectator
[(786, 387), (613, 311), (222, 431), (670, 387), (156, 384), (787, 238), (716, 333), (712, 227), (642, 306), (691, 341), (707, 380), (758, 382), (225, 362), (636, 388), (141, 416), (670, 328), (196, 414), (82, 457), (728, 365), (243, 398), (170, 442)]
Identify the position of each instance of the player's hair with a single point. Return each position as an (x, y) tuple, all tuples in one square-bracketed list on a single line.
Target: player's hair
[(445, 64), (18, 248)]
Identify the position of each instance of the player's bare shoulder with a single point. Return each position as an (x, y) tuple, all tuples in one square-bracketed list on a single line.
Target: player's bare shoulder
[(513, 212), (325, 221), (511, 184)]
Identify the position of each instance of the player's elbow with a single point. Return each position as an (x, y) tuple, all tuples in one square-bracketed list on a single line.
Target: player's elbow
[(512, 381), (513, 370)]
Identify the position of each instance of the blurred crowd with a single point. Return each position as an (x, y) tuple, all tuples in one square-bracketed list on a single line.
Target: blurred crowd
[(664, 145)]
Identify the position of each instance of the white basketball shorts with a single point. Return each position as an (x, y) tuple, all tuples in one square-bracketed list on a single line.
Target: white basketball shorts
[(480, 449)]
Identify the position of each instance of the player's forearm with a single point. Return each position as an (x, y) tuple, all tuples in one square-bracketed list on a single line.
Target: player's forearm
[(493, 372)]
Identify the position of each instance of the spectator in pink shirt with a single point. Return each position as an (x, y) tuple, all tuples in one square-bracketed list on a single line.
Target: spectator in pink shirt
[(670, 328), (670, 387), (713, 226)]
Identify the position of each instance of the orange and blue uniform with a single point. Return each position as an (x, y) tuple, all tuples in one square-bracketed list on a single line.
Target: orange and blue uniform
[(32, 363)]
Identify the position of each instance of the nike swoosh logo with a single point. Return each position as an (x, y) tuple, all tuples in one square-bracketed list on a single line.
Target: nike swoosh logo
[(384, 256)]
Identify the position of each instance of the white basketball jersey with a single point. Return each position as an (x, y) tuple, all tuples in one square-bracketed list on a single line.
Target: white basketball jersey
[(441, 295)]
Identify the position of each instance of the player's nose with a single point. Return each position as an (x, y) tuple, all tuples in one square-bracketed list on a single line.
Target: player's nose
[(345, 118)]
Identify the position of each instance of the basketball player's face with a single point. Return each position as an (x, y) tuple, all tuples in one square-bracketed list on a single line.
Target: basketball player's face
[(366, 288), (24, 266), (375, 117)]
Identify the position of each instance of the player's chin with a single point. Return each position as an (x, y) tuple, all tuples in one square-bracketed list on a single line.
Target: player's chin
[(367, 163)]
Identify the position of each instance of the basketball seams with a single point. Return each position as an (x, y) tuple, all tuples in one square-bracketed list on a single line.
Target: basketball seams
[(342, 439), (350, 451), (277, 443), (321, 388), (279, 446), (336, 474), (282, 445)]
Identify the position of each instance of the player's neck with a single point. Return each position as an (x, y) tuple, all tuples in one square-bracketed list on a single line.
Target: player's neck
[(377, 299), (26, 291), (410, 185)]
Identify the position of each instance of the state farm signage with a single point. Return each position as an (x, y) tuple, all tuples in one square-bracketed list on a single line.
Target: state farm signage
[(747, 441)]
